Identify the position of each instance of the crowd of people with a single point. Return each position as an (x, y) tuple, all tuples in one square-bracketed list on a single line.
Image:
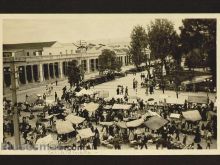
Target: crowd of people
[(109, 126)]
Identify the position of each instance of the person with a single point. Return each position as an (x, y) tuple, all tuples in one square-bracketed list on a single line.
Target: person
[(177, 131), (44, 97), (26, 97), (208, 143), (199, 147), (144, 141), (116, 142), (55, 96), (95, 142), (64, 89), (56, 82), (197, 138), (163, 87), (191, 146), (126, 90), (122, 90), (184, 139), (117, 90)]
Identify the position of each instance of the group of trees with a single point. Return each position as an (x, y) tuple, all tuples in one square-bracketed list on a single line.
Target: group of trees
[(108, 61), (197, 41)]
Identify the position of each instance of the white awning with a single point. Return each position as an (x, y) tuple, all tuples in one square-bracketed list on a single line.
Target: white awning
[(85, 133), (121, 106), (74, 119), (64, 127), (175, 115), (91, 107), (135, 123), (192, 115)]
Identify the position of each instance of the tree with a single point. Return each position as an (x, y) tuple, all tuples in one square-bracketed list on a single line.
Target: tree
[(137, 45), (108, 61), (161, 38), (201, 34), (74, 74), (193, 59)]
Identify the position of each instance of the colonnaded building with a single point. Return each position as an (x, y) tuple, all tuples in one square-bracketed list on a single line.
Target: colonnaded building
[(46, 61)]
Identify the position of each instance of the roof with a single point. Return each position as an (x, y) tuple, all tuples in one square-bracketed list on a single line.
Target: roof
[(35, 45)]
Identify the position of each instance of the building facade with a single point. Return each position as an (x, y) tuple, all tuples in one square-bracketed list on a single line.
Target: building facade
[(39, 62)]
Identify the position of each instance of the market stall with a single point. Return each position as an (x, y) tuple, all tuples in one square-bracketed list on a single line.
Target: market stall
[(74, 119), (91, 107), (155, 122), (64, 127), (198, 99), (192, 115), (135, 123), (46, 141), (85, 133)]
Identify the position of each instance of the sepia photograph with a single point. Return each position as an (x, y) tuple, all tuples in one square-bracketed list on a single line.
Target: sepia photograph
[(106, 82)]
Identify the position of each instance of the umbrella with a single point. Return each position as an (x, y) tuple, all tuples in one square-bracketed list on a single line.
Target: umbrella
[(135, 123), (47, 140), (74, 119), (64, 127), (155, 122), (85, 133), (91, 107), (121, 106), (38, 95), (192, 115), (151, 99), (122, 124), (106, 123)]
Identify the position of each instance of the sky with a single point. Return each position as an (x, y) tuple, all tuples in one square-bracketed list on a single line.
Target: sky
[(72, 29)]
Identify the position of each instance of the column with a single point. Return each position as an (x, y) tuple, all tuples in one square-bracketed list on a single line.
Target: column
[(32, 73), (94, 65), (48, 70), (122, 60), (25, 74), (60, 69), (54, 75), (40, 72), (88, 66)]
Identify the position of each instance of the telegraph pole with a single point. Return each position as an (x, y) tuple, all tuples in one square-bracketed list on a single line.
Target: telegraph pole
[(14, 86)]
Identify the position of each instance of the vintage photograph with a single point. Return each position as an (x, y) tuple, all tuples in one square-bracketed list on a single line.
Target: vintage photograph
[(109, 82)]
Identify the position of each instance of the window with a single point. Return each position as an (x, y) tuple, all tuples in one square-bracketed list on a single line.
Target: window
[(50, 53), (28, 54), (60, 52)]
